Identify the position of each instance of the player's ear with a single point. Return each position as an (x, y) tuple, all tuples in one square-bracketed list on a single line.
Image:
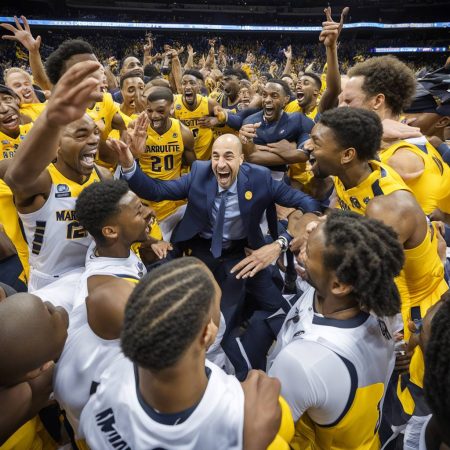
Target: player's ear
[(209, 334), (348, 155), (340, 289), (110, 232)]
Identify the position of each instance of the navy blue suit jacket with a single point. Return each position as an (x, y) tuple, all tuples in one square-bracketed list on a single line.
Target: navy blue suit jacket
[(257, 192)]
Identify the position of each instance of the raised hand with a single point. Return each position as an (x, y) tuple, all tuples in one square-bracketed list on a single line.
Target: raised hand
[(74, 92), (22, 34), (190, 50), (248, 132), (331, 29), (288, 52), (138, 134), (122, 151)]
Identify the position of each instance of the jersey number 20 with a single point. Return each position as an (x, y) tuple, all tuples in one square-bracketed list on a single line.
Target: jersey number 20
[(159, 163)]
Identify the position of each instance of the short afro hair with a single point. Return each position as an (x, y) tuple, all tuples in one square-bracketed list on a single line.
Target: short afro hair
[(136, 73), (315, 77), (195, 73), (166, 311), (283, 84), (357, 128), (98, 203), (239, 73), (55, 66), (152, 72), (388, 76), (160, 93)]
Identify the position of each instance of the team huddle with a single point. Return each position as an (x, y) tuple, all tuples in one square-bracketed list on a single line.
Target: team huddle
[(212, 257)]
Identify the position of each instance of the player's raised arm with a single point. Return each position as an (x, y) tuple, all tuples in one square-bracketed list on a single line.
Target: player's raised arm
[(76, 89), (329, 36), (23, 35)]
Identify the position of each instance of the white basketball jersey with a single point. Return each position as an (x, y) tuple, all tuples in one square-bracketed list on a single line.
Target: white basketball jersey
[(364, 340), (115, 416), (57, 243), (86, 355)]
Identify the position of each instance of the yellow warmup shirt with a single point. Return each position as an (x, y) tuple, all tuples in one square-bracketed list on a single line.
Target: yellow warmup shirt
[(32, 110)]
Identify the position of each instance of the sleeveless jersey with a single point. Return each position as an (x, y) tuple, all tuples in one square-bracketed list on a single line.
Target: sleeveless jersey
[(162, 160), (301, 172), (364, 343), (9, 145), (202, 136), (116, 415), (432, 188), (57, 243), (86, 355), (223, 101), (32, 110)]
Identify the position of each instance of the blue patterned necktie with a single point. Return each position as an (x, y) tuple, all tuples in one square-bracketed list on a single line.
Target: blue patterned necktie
[(217, 236)]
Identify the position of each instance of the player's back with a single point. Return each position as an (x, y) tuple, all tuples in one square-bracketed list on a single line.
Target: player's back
[(118, 414)]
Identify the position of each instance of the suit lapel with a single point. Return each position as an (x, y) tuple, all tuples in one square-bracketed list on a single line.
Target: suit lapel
[(245, 195)]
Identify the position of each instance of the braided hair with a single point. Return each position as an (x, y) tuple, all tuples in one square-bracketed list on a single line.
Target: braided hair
[(98, 203), (165, 312), (437, 364), (367, 255)]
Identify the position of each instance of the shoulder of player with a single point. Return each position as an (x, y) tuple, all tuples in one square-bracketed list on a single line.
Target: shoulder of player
[(106, 305)]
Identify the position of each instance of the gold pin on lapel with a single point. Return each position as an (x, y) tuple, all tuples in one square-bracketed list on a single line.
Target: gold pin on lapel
[(248, 195)]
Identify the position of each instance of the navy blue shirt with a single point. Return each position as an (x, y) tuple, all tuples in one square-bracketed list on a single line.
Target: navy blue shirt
[(295, 127)]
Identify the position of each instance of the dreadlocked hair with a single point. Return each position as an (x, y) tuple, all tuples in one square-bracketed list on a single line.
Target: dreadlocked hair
[(437, 364), (165, 312), (98, 203), (367, 255)]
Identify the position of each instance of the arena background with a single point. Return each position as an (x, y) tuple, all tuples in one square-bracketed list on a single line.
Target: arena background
[(416, 45)]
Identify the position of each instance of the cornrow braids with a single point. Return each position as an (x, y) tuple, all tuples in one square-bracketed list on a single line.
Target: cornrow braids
[(97, 203), (367, 255), (437, 364), (165, 312)]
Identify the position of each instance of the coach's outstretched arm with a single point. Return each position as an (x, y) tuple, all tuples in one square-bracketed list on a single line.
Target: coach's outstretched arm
[(76, 89)]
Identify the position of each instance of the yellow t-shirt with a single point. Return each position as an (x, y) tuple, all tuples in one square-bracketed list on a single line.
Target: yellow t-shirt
[(162, 160), (32, 110), (203, 137), (9, 145)]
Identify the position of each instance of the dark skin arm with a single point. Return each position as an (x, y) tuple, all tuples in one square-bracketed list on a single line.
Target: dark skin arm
[(188, 141), (262, 412), (106, 301), (329, 36), (400, 211)]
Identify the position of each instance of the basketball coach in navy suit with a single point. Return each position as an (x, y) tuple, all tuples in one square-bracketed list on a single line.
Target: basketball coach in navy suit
[(226, 202)]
